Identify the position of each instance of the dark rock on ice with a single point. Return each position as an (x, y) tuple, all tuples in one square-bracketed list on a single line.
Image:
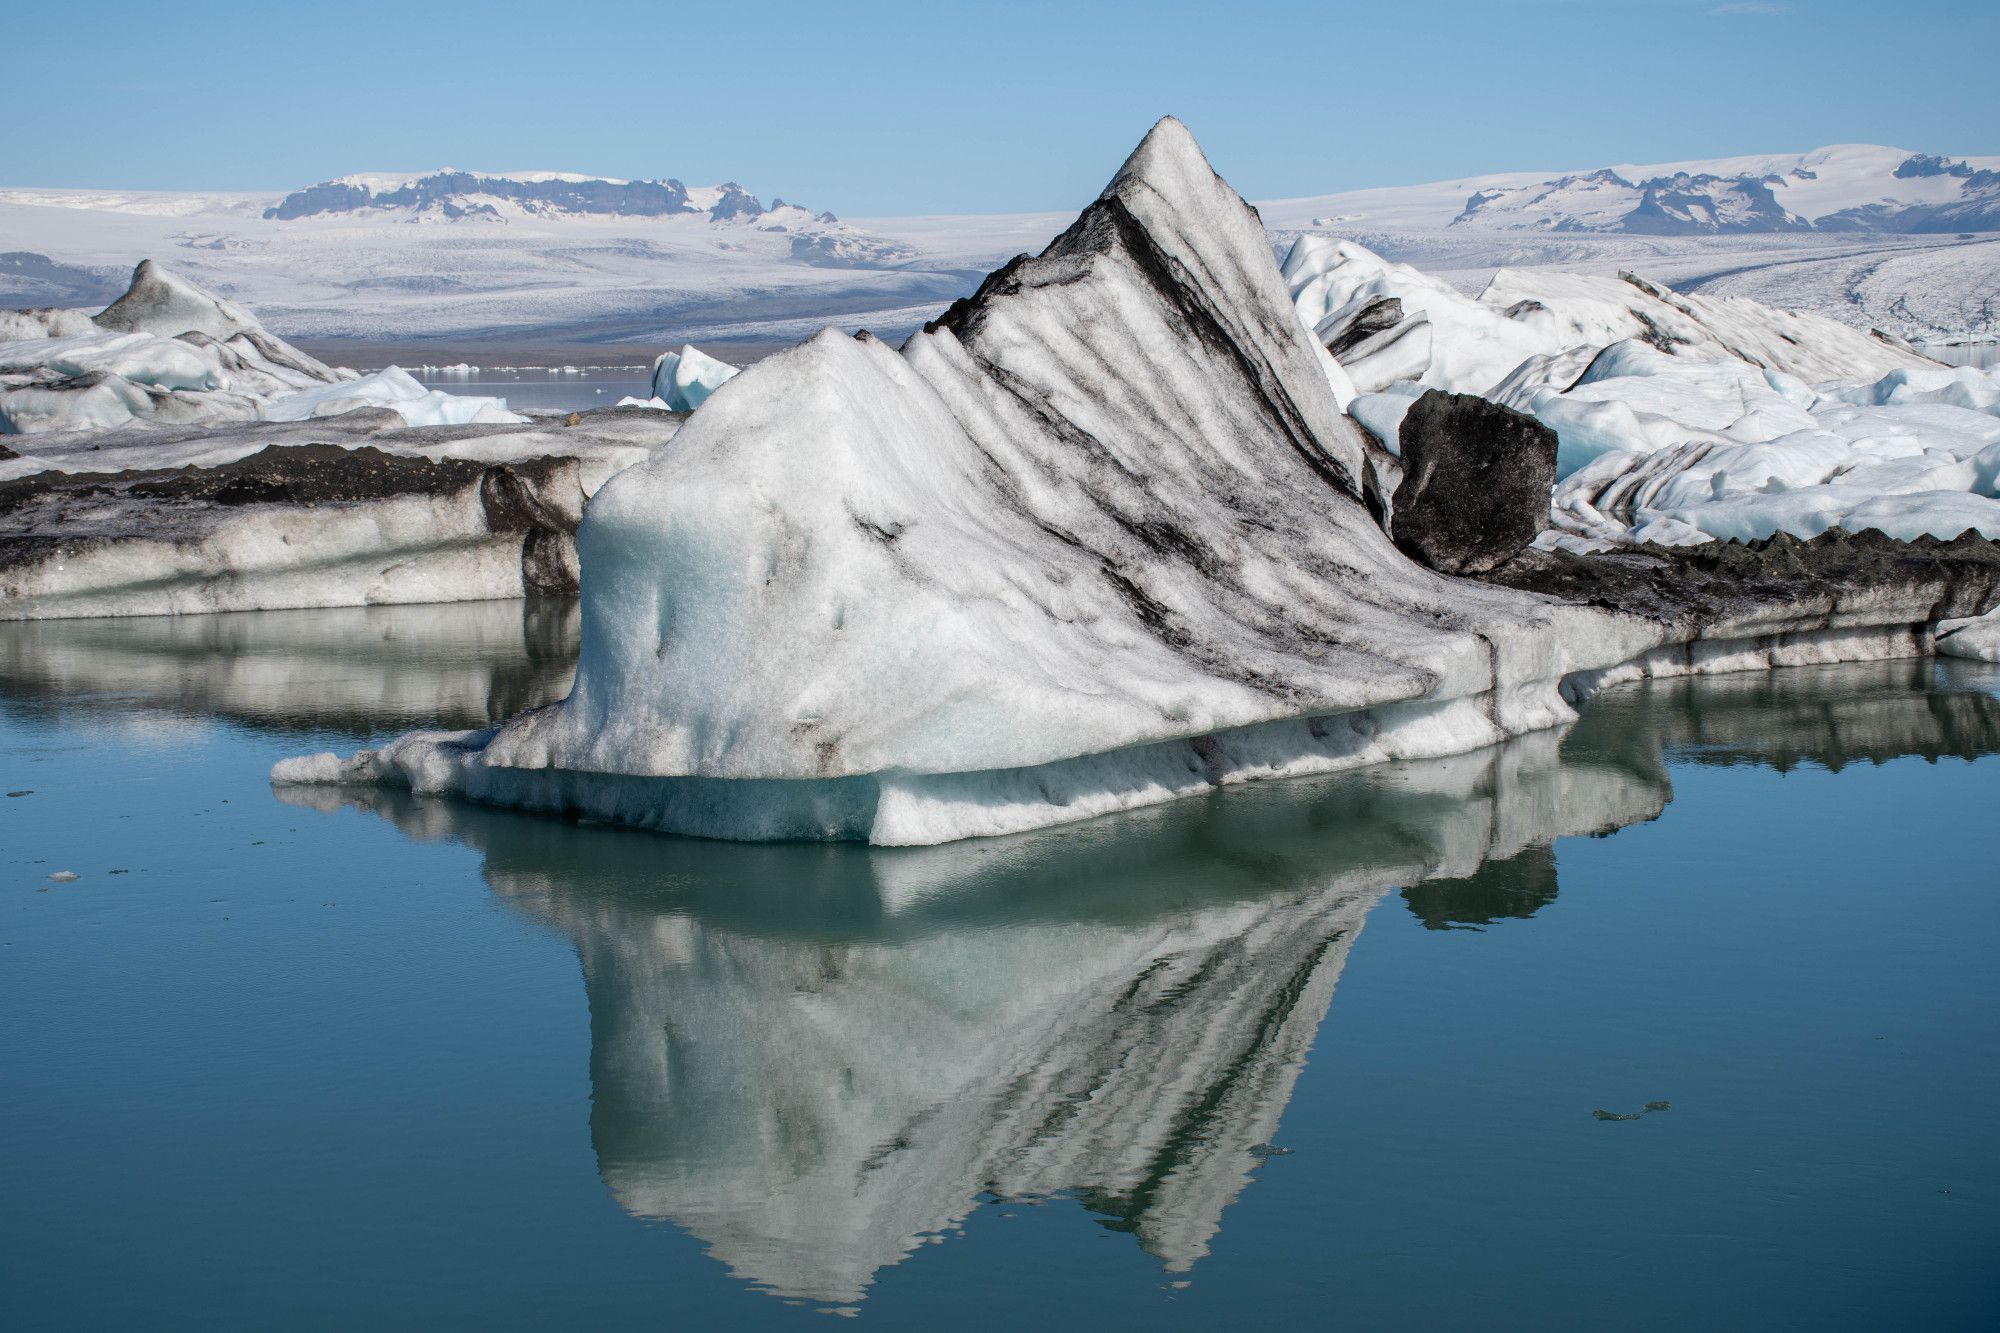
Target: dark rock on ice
[(1475, 485)]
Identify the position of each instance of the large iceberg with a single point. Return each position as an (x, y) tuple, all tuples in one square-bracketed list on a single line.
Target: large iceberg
[(168, 455), (1094, 539)]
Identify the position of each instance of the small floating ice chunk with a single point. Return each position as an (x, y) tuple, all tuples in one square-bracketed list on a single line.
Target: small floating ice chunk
[(683, 380)]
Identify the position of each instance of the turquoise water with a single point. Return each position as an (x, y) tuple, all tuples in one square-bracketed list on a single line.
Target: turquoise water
[(1324, 1052)]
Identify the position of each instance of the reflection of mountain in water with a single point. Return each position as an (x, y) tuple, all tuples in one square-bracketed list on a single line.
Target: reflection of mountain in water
[(354, 669), (815, 1057)]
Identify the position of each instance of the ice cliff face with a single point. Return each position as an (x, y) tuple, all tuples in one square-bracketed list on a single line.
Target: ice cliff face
[(349, 510)]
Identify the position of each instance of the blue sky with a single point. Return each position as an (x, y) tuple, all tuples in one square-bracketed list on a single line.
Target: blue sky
[(893, 107)]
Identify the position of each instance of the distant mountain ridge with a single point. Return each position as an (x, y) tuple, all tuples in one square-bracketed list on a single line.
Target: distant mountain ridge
[(1847, 188), (450, 195)]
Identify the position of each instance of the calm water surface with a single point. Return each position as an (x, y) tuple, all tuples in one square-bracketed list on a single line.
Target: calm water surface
[(552, 390), (1326, 1052)]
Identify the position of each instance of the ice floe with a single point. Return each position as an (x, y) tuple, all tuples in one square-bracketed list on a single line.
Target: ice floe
[(683, 380)]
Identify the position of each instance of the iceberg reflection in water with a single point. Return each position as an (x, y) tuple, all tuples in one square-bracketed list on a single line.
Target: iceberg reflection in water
[(364, 669), (816, 1058)]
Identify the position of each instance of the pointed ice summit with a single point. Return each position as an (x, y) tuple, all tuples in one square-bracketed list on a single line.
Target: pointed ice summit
[(1092, 540)]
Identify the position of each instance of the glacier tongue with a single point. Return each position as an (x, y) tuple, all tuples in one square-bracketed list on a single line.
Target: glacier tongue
[(1094, 539)]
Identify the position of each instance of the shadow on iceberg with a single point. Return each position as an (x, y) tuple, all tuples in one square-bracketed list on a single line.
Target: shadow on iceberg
[(357, 670)]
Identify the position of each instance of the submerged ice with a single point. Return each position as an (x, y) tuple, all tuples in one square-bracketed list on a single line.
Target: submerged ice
[(1094, 539)]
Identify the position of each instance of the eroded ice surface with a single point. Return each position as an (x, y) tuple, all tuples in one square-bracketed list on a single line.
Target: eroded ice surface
[(350, 510), (1680, 419)]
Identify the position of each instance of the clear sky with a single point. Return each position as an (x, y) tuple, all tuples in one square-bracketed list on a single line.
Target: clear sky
[(883, 106)]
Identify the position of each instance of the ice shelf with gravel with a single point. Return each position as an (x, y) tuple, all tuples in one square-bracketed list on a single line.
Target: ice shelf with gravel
[(1680, 419), (1094, 539), (349, 510)]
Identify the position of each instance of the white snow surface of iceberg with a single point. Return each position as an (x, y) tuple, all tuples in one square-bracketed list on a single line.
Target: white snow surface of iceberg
[(395, 389), (1477, 342), (1976, 637)]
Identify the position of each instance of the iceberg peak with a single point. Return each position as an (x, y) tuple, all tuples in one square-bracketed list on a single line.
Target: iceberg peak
[(167, 305)]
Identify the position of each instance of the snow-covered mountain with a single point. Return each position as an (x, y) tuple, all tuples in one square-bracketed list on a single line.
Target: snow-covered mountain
[(548, 257), (450, 195), (1879, 237), (1842, 188)]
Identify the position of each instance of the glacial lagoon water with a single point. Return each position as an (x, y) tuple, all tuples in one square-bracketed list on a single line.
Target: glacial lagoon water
[(544, 388), (1684, 1018)]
